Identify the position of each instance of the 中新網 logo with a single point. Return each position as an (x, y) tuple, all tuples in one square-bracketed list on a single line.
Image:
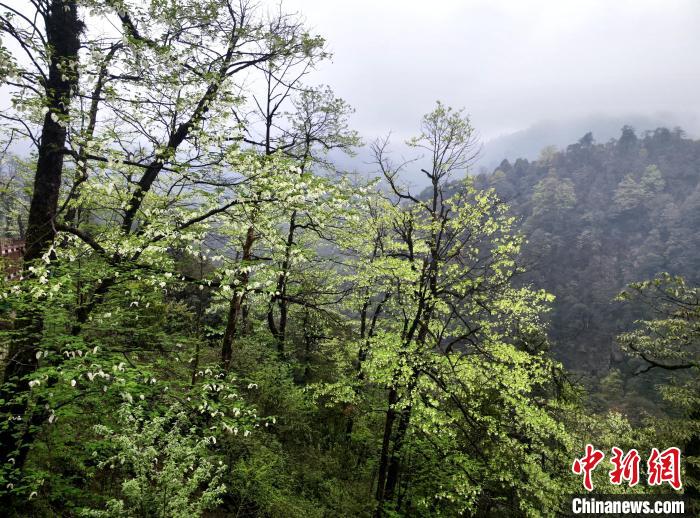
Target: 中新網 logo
[(662, 467)]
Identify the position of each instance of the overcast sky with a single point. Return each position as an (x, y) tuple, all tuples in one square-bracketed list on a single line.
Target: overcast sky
[(511, 63)]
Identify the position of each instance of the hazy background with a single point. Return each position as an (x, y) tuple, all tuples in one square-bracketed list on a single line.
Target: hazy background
[(531, 73)]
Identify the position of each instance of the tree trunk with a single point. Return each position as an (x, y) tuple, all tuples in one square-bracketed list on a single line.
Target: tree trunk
[(384, 455), (395, 459), (365, 338), (63, 29), (389, 465), (280, 331), (235, 308)]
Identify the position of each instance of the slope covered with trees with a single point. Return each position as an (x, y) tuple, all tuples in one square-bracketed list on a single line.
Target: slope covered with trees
[(599, 216), (212, 320)]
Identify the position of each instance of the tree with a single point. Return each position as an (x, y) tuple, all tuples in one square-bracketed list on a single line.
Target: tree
[(150, 154), (552, 197), (631, 193), (631, 215), (51, 41), (316, 126), (454, 324), (670, 341)]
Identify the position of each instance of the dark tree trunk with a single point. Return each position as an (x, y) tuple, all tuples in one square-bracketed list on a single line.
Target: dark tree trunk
[(365, 337), (279, 331), (389, 464), (395, 459), (63, 36), (384, 455), (63, 29), (236, 306)]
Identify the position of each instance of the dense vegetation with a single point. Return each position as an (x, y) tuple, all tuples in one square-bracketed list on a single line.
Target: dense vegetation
[(215, 321), (598, 217)]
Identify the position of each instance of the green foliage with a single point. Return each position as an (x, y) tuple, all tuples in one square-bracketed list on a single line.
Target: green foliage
[(295, 424), (599, 216), (670, 342), (165, 466), (631, 193), (225, 324), (552, 197)]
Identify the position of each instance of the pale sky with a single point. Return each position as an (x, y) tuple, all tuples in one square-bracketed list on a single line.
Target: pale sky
[(565, 65), (510, 63)]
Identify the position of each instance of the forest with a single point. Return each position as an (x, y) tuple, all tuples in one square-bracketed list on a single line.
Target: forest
[(599, 217), (210, 318)]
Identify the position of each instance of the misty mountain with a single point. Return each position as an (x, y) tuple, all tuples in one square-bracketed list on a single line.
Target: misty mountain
[(529, 142), (600, 215)]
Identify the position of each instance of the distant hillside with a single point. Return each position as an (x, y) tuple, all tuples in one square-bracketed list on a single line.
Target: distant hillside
[(528, 142), (601, 215)]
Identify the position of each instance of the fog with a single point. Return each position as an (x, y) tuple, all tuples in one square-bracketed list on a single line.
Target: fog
[(513, 64), (530, 73)]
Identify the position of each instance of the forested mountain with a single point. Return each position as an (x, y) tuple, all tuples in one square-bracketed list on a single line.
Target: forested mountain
[(528, 142), (599, 216), (211, 318)]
